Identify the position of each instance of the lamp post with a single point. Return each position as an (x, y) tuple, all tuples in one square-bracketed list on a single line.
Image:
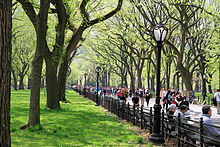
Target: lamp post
[(80, 84), (204, 87), (85, 78), (98, 69), (85, 85), (159, 32)]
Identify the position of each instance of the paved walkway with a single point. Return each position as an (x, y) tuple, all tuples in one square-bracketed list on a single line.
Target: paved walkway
[(195, 111)]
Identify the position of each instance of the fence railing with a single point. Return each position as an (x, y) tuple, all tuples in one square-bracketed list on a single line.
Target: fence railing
[(192, 134)]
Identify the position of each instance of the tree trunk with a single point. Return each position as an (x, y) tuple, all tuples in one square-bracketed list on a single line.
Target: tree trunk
[(29, 82), (41, 29), (42, 82), (125, 80), (139, 79), (21, 82), (174, 81), (15, 80), (178, 81), (62, 79), (148, 75), (109, 78), (168, 72), (197, 82), (209, 83), (52, 84), (210, 88), (5, 71), (187, 77), (132, 86), (106, 78), (153, 83), (103, 80), (182, 84)]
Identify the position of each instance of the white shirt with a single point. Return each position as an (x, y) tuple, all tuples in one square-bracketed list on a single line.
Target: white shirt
[(217, 96)]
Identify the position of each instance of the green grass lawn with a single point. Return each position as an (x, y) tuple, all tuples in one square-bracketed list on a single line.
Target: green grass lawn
[(78, 123), (208, 97)]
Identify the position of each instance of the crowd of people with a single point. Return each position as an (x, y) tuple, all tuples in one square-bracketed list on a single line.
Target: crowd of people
[(176, 103)]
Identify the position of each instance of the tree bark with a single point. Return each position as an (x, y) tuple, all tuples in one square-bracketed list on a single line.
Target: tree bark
[(209, 83), (62, 79), (197, 82), (29, 82), (153, 83), (168, 72), (148, 75), (109, 78), (52, 84), (178, 81), (139, 79), (15, 80), (41, 29), (42, 82), (5, 71), (21, 82), (187, 77)]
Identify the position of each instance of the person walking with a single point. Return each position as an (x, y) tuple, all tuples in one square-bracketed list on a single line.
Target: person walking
[(147, 96), (217, 97)]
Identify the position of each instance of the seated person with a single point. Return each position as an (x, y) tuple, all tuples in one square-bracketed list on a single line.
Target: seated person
[(209, 130), (171, 111), (188, 130), (180, 97), (135, 100), (182, 111)]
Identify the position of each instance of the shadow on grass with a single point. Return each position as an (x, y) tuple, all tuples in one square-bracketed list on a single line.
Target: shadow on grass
[(78, 123)]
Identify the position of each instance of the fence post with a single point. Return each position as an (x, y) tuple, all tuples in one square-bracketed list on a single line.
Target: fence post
[(118, 108), (123, 114), (128, 111), (151, 120), (179, 130), (201, 132), (112, 106), (162, 122), (134, 115), (142, 116), (109, 105)]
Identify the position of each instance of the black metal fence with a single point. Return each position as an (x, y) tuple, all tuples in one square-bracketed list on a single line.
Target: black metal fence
[(191, 134)]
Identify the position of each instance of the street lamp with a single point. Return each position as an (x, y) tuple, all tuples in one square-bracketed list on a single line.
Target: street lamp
[(80, 84), (84, 89), (159, 32), (98, 69), (85, 78), (204, 87)]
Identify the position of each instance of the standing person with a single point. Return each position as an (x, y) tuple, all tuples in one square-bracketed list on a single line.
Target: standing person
[(135, 100), (137, 93), (119, 94), (142, 96), (164, 97), (210, 131), (147, 96), (172, 91), (217, 97)]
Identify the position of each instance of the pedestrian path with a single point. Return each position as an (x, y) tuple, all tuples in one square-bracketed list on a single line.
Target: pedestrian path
[(195, 111)]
